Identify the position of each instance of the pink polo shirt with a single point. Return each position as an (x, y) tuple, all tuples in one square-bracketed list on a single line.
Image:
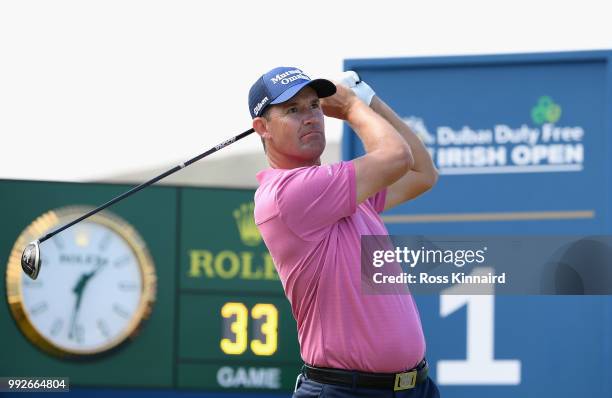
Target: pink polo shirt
[(311, 223)]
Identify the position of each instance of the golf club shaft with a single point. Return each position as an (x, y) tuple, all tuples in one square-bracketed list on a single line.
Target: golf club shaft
[(147, 183)]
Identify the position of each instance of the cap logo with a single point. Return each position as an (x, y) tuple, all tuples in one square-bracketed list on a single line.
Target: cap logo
[(289, 76), (260, 105)]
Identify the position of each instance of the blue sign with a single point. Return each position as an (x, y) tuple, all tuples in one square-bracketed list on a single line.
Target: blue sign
[(522, 146)]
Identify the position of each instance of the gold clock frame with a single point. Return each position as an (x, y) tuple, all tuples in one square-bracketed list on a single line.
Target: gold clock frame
[(53, 219)]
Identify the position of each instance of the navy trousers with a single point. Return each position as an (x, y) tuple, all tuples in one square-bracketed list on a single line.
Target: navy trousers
[(306, 388)]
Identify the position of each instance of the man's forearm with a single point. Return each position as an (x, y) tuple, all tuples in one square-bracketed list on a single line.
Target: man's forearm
[(422, 159), (375, 132)]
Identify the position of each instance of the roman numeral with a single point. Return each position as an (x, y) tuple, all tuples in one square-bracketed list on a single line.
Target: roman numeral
[(105, 241), (103, 328), (117, 309), (39, 308), (126, 286), (58, 241), (56, 327), (121, 261)]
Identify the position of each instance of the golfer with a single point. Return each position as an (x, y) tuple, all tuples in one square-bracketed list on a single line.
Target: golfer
[(311, 217)]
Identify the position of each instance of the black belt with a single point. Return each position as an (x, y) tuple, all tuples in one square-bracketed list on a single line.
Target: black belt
[(392, 381)]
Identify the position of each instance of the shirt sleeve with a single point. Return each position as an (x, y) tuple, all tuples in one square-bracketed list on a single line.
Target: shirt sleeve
[(314, 198), (378, 200)]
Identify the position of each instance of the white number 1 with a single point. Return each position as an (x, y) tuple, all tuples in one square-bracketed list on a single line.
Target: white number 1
[(480, 366)]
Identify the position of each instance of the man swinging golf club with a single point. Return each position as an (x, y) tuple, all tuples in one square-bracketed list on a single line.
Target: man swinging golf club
[(312, 216)]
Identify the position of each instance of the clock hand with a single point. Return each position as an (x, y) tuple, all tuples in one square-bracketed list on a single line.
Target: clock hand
[(78, 289), (80, 285), (98, 268), (85, 278)]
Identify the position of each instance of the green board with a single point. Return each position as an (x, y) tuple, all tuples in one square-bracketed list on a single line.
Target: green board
[(220, 320)]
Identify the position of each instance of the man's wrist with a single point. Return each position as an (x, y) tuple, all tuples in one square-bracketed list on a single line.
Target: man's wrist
[(356, 111)]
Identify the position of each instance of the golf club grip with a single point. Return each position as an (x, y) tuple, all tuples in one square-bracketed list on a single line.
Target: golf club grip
[(147, 183)]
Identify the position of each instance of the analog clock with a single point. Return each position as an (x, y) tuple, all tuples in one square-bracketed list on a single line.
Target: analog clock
[(96, 285)]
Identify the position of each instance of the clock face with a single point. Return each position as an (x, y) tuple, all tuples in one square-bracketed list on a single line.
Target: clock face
[(96, 285)]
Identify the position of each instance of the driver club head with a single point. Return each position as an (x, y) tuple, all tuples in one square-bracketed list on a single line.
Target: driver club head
[(30, 259)]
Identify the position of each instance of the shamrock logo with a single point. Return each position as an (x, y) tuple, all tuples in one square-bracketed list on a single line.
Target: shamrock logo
[(545, 111)]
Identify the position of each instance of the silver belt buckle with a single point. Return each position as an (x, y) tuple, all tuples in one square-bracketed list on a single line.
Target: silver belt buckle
[(405, 380)]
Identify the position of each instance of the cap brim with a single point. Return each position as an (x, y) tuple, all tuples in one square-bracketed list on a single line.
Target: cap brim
[(323, 88)]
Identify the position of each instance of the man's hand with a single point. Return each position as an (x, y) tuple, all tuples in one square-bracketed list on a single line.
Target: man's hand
[(363, 91), (341, 104)]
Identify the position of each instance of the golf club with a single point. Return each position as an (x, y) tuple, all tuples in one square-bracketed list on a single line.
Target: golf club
[(30, 259)]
